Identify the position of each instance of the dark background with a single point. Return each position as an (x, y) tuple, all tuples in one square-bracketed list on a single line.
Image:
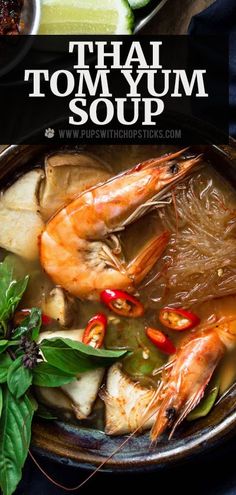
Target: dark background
[(211, 473)]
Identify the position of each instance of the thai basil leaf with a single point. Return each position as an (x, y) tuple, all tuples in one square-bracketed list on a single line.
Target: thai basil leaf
[(30, 325), (15, 435), (74, 357), (11, 292), (3, 345), (19, 378), (19, 268), (5, 363), (21, 330), (1, 402), (46, 375), (207, 402)]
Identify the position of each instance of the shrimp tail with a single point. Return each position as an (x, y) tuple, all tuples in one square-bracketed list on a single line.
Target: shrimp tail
[(141, 265), (184, 386)]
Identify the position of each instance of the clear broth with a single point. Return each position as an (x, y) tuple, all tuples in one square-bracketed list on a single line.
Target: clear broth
[(161, 286)]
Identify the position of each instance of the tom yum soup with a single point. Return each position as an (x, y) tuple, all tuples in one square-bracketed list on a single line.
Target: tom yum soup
[(131, 258)]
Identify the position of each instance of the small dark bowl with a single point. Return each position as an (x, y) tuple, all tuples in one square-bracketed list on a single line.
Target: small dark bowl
[(143, 16), (87, 448), (31, 15)]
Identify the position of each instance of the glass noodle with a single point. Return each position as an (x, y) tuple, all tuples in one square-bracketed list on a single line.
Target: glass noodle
[(200, 262)]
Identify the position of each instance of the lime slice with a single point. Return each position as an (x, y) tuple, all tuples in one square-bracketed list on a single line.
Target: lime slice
[(86, 17), (137, 4)]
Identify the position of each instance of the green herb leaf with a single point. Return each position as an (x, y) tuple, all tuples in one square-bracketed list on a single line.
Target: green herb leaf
[(3, 345), (15, 434), (19, 378), (207, 402), (11, 293), (46, 375), (74, 357), (19, 267), (30, 325), (5, 363), (1, 402)]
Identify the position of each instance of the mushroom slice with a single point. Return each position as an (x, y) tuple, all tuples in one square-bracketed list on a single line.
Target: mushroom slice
[(60, 306), (21, 224), (23, 194), (126, 402), (82, 392), (19, 232), (68, 174), (53, 397)]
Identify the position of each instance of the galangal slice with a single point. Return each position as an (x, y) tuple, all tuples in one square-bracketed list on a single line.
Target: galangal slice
[(82, 392)]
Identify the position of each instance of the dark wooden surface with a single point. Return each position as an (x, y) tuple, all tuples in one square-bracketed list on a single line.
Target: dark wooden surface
[(175, 16)]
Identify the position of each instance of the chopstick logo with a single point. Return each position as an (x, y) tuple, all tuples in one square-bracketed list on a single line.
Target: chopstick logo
[(49, 133)]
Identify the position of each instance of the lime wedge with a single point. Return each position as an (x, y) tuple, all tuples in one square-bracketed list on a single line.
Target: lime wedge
[(137, 4), (86, 17)]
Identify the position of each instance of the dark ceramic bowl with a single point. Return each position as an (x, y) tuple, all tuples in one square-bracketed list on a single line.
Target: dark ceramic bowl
[(88, 447), (31, 16)]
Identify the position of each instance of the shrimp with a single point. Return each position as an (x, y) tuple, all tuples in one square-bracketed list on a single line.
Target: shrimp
[(79, 249), (183, 384)]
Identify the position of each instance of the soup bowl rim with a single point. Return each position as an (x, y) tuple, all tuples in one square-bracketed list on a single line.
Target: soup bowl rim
[(87, 457)]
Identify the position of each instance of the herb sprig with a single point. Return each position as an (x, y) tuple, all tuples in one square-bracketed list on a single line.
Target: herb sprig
[(23, 363)]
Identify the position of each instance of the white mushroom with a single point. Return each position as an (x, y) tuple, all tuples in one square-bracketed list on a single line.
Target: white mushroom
[(68, 174), (126, 402), (76, 334), (60, 306), (23, 194), (21, 223), (82, 392), (53, 397)]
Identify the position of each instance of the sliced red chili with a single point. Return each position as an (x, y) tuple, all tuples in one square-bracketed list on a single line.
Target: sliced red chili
[(46, 320), (160, 340), (178, 319), (20, 315), (122, 303), (95, 330)]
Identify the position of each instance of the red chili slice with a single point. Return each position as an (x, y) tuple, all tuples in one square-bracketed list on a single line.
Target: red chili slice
[(178, 319), (95, 331), (122, 303), (160, 340), (46, 320)]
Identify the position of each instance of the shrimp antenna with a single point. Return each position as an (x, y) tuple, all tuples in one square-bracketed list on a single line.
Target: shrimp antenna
[(98, 468)]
